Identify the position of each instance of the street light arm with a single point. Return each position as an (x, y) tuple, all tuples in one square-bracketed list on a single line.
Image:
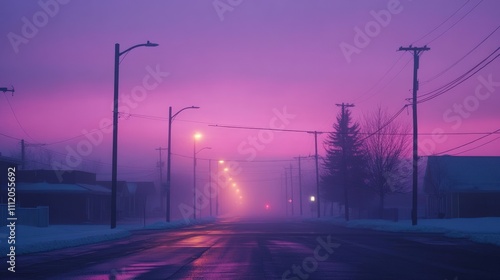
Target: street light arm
[(148, 44), (190, 107), (205, 148)]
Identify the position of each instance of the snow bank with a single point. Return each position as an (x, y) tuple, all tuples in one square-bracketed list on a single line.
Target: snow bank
[(38, 239), (481, 230)]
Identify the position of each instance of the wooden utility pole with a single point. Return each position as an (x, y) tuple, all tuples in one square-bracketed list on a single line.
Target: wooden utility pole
[(300, 185), (286, 194), (300, 189), (23, 154), (210, 183), (317, 170), (24, 145), (416, 55), (162, 191), (291, 188), (344, 127)]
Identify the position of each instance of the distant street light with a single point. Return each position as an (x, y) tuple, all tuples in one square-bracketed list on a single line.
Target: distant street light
[(115, 126), (197, 136), (312, 199), (170, 120)]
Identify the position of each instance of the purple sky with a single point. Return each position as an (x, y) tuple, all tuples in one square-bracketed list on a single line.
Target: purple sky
[(241, 66)]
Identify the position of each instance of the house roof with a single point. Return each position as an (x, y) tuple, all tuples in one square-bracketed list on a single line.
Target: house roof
[(463, 174), (61, 188)]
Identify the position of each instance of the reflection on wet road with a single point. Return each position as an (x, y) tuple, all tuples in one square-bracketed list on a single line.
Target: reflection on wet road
[(268, 249)]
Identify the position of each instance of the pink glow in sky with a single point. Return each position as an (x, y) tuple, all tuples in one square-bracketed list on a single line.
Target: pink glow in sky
[(240, 65)]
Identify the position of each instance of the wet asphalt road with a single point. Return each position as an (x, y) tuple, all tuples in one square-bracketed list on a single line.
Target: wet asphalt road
[(267, 249)]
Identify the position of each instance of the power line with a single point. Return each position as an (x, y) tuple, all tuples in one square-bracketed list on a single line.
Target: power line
[(459, 60), (78, 136), (11, 137), (380, 80), (17, 120), (464, 77), (265, 128), (149, 117), (235, 160), (447, 19), (468, 143), (477, 146), (461, 76), (460, 19), (386, 124)]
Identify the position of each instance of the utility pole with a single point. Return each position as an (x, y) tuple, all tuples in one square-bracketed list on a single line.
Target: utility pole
[(291, 188), (24, 145), (317, 169), (23, 154), (162, 191), (300, 189), (344, 127), (4, 89), (210, 183), (286, 194), (300, 185), (416, 55)]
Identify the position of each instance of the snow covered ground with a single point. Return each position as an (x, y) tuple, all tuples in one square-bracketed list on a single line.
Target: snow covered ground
[(38, 239), (481, 230)]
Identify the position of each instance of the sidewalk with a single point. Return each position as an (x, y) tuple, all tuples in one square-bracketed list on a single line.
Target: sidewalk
[(480, 230)]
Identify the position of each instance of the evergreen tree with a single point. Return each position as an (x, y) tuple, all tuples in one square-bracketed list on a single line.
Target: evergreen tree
[(344, 163)]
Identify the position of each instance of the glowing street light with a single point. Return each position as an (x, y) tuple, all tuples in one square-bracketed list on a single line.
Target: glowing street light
[(197, 136), (312, 198)]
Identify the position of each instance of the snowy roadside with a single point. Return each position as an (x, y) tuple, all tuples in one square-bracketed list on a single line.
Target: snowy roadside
[(39, 239), (480, 230)]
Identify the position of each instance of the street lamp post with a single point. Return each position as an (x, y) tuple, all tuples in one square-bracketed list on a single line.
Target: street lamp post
[(196, 137), (115, 126), (170, 119), (217, 192)]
